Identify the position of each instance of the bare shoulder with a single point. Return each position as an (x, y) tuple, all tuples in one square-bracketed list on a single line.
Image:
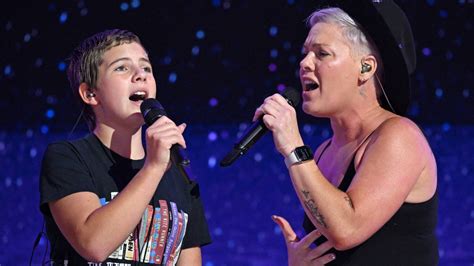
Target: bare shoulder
[(400, 131), (400, 125)]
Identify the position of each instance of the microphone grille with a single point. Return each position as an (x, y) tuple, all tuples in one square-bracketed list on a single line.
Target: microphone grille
[(292, 95), (151, 110)]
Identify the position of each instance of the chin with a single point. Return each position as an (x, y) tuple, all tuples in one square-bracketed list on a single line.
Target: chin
[(136, 119), (309, 109)]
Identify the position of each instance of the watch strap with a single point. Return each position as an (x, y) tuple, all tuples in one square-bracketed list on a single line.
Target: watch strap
[(299, 155)]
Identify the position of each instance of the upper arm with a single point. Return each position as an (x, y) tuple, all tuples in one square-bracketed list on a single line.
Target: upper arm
[(67, 191), (387, 172), (71, 212)]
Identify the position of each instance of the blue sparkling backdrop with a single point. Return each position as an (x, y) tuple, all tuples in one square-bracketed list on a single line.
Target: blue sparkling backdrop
[(215, 61)]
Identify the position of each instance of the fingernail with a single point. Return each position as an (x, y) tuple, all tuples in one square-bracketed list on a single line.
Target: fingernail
[(185, 125), (332, 256)]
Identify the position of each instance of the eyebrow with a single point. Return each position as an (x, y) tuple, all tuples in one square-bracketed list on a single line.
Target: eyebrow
[(313, 45), (128, 59)]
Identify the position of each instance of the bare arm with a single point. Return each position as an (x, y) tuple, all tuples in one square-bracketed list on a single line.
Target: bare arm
[(391, 165), (190, 256), (389, 171), (95, 231)]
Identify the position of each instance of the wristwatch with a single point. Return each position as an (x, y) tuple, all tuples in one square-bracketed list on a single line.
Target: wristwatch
[(299, 155)]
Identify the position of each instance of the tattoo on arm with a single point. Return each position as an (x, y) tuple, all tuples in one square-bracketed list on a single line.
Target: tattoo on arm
[(313, 209), (349, 201)]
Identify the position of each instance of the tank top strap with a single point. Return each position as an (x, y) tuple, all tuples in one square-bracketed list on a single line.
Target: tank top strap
[(324, 149), (350, 172)]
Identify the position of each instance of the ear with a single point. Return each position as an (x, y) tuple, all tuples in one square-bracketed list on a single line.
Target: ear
[(87, 95), (368, 67)]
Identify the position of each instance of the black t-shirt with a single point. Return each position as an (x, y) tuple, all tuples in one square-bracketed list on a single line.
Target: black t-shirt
[(173, 220)]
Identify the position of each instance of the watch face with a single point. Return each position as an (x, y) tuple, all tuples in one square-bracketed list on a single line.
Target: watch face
[(304, 153)]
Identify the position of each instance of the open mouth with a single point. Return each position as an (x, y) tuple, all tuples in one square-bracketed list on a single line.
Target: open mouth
[(138, 96), (310, 85)]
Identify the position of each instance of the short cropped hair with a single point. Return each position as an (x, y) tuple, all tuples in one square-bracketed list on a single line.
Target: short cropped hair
[(85, 60), (361, 43)]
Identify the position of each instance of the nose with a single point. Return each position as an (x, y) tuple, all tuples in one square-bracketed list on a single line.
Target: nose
[(307, 64), (140, 74)]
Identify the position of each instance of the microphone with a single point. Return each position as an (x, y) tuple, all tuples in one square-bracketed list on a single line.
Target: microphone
[(257, 130), (152, 110)]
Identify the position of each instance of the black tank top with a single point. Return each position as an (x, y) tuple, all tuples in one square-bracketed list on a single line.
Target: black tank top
[(408, 238)]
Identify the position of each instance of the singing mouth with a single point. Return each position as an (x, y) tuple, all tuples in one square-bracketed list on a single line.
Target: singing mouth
[(310, 85), (138, 96)]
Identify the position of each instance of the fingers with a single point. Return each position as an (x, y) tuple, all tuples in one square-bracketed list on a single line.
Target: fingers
[(299, 251), (258, 114), (272, 105), (182, 127), (288, 233), (310, 238), (166, 132), (320, 250), (324, 259)]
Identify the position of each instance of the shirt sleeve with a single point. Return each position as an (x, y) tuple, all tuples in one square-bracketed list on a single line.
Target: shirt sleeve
[(197, 232), (63, 172)]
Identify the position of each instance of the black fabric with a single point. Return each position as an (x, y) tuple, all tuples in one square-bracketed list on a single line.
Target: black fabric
[(408, 238), (87, 165)]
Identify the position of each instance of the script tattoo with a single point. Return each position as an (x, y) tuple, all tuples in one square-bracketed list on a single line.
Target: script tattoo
[(349, 201), (313, 209)]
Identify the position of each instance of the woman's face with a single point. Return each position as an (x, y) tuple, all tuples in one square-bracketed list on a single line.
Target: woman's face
[(328, 72), (125, 79)]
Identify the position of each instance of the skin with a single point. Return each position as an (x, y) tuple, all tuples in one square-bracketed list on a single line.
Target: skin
[(96, 231), (393, 165), (299, 251)]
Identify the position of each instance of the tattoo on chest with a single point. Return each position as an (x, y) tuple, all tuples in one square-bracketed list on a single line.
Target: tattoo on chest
[(313, 209)]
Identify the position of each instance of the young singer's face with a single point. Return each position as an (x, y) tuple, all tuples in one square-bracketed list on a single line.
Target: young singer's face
[(125, 79)]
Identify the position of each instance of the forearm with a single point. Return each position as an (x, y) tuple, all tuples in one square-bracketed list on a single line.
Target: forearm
[(190, 256), (330, 209), (100, 231)]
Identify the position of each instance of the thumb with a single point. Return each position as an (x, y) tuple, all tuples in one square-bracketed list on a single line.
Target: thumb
[(288, 233), (182, 127)]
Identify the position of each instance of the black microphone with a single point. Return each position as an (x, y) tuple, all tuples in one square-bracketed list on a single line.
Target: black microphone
[(257, 130), (152, 110)]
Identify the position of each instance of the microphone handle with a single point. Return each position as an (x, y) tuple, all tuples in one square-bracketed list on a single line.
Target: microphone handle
[(251, 135), (178, 156)]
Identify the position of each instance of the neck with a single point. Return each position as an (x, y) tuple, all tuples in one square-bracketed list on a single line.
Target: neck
[(356, 126), (125, 142)]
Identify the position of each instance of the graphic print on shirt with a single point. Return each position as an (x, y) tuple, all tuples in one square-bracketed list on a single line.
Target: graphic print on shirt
[(158, 237)]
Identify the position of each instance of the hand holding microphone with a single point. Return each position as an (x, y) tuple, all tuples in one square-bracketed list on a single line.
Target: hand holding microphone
[(280, 118), (162, 132), (269, 116)]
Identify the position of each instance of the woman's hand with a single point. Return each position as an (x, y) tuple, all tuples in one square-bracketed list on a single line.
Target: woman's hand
[(299, 251), (280, 118)]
